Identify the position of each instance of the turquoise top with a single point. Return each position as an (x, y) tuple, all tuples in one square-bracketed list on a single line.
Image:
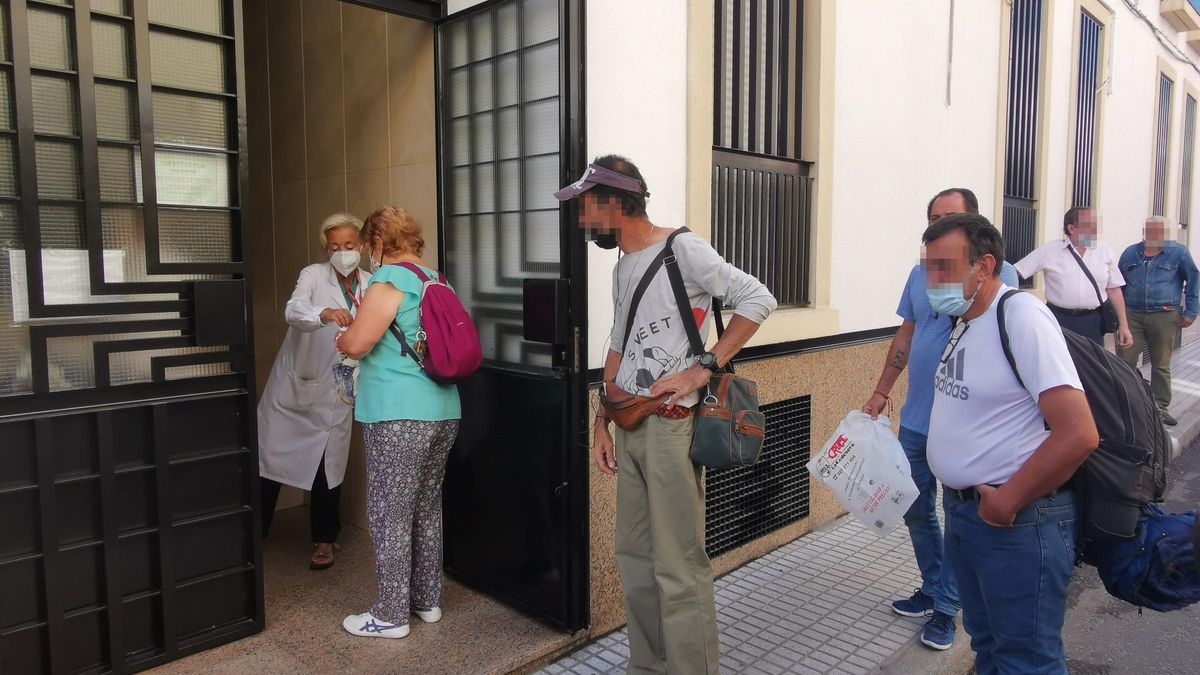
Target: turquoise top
[(391, 386)]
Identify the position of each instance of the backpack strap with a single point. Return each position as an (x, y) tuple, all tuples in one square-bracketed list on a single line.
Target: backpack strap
[(685, 308), (647, 277), (405, 348), (1000, 323), (416, 269), (1086, 271)]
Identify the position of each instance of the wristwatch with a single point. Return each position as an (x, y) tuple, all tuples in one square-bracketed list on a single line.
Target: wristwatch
[(708, 360)]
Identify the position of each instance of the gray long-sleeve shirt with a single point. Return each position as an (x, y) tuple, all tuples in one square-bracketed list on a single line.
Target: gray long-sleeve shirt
[(658, 344)]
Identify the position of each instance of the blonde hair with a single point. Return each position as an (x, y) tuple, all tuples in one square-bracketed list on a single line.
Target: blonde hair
[(336, 220), (392, 230)]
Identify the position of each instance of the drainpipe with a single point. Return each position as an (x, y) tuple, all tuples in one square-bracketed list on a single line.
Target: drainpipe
[(950, 53)]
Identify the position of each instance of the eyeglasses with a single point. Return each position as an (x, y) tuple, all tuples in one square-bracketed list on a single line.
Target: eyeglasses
[(959, 331)]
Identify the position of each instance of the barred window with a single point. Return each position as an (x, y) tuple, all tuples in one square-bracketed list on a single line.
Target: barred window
[(1189, 158), (1019, 219), (1162, 139), (761, 188), (1090, 45)]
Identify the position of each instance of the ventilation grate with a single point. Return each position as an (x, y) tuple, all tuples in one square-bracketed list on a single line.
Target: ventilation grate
[(745, 503)]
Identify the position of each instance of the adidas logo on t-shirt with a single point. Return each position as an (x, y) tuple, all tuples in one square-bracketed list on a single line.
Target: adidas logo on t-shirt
[(950, 377)]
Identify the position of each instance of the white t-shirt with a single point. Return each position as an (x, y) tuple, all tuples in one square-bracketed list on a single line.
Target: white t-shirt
[(984, 425), (1066, 284)]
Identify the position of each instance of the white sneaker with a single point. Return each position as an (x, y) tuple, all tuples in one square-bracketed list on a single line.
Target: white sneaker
[(429, 615), (366, 625)]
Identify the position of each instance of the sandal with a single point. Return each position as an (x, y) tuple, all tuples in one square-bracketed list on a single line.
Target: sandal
[(321, 560)]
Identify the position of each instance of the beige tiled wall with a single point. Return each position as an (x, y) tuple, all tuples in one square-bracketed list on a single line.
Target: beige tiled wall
[(340, 113)]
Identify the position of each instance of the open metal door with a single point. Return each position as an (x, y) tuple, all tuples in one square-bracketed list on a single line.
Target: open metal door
[(128, 459), (509, 97)]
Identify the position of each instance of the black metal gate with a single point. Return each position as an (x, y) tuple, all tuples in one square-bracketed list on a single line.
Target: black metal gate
[(510, 118), (127, 535)]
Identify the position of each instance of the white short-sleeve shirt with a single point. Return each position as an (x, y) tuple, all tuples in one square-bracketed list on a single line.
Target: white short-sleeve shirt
[(985, 425), (1066, 284)]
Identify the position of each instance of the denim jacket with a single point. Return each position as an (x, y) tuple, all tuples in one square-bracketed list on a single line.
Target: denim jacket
[(1160, 283)]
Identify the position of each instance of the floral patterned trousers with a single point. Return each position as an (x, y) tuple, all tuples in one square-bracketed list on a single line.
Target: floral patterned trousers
[(406, 461)]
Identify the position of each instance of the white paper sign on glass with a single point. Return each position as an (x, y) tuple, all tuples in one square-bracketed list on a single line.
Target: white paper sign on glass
[(65, 278), (186, 178)]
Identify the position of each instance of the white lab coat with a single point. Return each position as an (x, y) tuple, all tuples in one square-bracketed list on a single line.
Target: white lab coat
[(300, 416)]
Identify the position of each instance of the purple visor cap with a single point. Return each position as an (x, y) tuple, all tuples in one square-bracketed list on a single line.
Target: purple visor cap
[(598, 175)]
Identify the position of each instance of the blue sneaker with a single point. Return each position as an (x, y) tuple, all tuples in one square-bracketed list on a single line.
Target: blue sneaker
[(366, 625), (919, 604), (939, 631)]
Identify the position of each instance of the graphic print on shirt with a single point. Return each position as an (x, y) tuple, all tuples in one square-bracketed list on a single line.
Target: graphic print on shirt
[(951, 375), (648, 348), (655, 360)]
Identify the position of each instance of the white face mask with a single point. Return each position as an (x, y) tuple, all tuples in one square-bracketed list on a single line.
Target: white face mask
[(344, 262), (373, 265)]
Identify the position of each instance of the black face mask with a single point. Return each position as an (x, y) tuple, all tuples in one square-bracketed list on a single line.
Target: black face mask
[(605, 240)]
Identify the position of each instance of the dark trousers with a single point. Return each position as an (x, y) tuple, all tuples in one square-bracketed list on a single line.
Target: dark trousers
[(324, 512), (1090, 325)]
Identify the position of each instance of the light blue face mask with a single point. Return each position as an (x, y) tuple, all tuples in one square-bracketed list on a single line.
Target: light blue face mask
[(948, 298), (1086, 240)]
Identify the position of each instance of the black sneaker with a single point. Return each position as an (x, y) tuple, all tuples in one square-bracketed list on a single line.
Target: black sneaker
[(919, 604), (1167, 419)]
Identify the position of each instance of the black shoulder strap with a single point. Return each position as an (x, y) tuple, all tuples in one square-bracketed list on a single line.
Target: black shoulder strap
[(1096, 286), (685, 308), (405, 349), (651, 271), (1004, 334)]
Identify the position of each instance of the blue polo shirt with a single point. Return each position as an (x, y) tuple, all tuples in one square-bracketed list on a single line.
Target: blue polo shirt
[(929, 340)]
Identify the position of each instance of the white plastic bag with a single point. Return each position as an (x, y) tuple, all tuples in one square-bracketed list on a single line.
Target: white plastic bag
[(867, 470)]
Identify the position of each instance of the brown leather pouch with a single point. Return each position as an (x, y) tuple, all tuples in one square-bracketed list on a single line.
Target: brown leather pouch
[(627, 410)]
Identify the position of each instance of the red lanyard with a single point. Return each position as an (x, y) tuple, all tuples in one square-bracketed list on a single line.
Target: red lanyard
[(345, 284)]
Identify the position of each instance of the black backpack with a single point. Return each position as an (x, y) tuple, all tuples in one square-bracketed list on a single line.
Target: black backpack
[(1129, 468)]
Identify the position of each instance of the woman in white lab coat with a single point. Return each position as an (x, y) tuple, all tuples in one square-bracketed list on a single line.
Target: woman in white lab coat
[(303, 425)]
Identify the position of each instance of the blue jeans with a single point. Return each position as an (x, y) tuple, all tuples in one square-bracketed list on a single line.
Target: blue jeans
[(937, 578), (1013, 582)]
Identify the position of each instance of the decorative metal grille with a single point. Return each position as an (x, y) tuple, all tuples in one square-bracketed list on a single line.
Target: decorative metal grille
[(745, 503), (1189, 160), (128, 535), (1162, 139), (119, 172), (1090, 46), (501, 164), (1020, 165)]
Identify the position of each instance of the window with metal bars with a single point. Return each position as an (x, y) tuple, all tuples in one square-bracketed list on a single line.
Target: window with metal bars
[(1019, 218), (1162, 139), (761, 188), (1087, 102), (1189, 158)]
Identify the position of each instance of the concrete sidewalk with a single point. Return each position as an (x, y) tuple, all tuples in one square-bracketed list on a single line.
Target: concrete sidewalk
[(820, 604)]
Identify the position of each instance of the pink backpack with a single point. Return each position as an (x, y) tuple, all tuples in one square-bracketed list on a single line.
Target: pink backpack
[(452, 350)]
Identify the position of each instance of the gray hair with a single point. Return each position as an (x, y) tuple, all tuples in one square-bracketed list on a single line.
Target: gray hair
[(1156, 219), (336, 220)]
